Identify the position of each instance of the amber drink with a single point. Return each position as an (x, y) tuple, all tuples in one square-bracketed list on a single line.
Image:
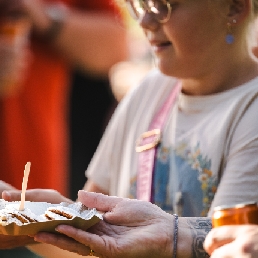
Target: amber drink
[(243, 213)]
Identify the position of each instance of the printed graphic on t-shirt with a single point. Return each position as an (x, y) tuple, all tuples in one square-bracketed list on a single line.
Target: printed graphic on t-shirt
[(183, 181)]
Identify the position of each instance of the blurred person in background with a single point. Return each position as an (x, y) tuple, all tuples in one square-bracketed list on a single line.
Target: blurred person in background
[(33, 117)]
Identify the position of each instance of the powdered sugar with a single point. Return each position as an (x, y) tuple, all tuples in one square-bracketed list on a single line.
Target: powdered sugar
[(40, 212)]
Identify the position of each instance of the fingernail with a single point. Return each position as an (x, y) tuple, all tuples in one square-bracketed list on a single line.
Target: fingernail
[(6, 195), (37, 239), (40, 238), (57, 229)]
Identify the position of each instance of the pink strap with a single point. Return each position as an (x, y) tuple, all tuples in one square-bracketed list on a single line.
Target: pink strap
[(147, 147)]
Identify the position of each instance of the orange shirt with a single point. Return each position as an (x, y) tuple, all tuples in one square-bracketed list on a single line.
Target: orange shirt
[(33, 124)]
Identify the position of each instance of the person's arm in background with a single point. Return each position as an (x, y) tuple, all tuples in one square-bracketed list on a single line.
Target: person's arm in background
[(233, 242), (94, 40)]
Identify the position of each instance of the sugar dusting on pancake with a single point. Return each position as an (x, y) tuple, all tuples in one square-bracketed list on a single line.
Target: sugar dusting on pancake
[(10, 213)]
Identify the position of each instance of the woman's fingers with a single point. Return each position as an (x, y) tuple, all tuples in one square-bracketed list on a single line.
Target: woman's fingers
[(76, 240), (63, 242), (226, 251), (219, 237), (36, 195), (7, 242)]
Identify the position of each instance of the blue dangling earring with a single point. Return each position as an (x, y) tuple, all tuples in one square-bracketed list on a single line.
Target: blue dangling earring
[(230, 37)]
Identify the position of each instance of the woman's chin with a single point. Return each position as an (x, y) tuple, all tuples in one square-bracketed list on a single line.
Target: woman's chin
[(165, 69)]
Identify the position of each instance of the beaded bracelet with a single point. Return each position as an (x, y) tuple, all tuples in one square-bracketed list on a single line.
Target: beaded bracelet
[(175, 235)]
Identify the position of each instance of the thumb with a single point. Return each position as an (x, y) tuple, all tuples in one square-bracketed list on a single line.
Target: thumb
[(99, 201)]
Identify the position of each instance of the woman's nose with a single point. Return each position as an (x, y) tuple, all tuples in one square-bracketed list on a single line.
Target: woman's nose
[(148, 22)]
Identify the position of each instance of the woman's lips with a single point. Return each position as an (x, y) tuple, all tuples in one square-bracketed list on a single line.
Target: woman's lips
[(160, 46)]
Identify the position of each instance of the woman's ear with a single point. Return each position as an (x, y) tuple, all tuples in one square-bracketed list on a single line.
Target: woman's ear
[(239, 9)]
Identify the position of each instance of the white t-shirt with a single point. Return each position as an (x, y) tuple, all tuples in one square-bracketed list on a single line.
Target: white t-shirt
[(209, 151)]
